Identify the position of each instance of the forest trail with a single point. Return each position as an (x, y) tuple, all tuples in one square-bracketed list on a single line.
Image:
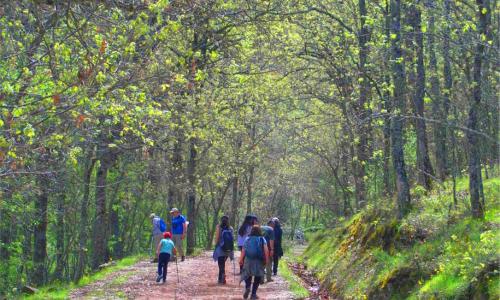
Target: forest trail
[(198, 281)]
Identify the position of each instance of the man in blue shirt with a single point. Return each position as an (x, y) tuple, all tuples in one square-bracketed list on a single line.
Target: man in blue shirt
[(179, 229)]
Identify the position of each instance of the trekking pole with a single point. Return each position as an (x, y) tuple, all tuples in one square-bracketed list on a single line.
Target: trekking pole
[(177, 267), (151, 250), (234, 270)]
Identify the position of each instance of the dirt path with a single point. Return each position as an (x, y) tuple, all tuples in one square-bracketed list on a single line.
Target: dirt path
[(198, 277)]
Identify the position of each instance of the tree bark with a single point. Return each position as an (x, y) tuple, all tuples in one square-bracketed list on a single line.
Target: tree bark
[(100, 253), (363, 112), (475, 179), (234, 201), (40, 233), (448, 86), (397, 142), (439, 129), (83, 230), (60, 232), (191, 201), (388, 183), (425, 171)]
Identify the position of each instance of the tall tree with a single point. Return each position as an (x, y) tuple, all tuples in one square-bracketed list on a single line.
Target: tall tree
[(40, 233), (425, 171), (106, 158), (398, 108), (475, 177), (363, 113)]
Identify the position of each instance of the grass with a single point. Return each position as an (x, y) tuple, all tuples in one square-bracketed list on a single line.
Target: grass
[(294, 282), (62, 291), (437, 252)]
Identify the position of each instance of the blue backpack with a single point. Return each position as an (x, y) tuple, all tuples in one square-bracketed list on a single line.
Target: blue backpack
[(227, 239), (163, 226), (254, 247)]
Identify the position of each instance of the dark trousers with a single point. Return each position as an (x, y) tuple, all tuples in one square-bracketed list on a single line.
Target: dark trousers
[(163, 264), (221, 260), (276, 260), (256, 282)]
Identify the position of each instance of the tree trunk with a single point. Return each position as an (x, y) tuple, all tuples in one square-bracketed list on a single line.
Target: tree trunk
[(100, 253), (425, 171), (363, 113), (60, 263), (234, 202), (448, 86), (439, 129), (398, 73), (6, 222), (40, 233), (475, 180), (388, 183), (249, 188), (176, 178), (191, 201), (83, 230)]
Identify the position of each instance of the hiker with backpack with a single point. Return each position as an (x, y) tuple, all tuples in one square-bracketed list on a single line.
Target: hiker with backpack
[(268, 233), (179, 230), (254, 256), (278, 249), (224, 247), (244, 230), (159, 227), (164, 251)]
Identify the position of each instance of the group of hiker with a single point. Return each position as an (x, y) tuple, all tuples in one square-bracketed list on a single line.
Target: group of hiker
[(168, 245), (260, 247)]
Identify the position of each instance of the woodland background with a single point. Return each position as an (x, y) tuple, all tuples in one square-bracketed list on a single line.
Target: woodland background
[(306, 110)]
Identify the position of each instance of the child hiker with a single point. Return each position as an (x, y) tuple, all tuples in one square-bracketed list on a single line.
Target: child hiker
[(224, 241), (164, 251), (254, 256)]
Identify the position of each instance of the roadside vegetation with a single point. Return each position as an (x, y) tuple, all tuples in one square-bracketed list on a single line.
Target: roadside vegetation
[(438, 251)]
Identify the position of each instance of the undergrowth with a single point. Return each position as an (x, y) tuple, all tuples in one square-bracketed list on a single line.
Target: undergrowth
[(436, 252), (290, 255), (294, 282)]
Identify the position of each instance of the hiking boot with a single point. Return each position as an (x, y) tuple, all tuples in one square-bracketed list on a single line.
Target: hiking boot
[(164, 281), (247, 292), (158, 278), (183, 258), (254, 296)]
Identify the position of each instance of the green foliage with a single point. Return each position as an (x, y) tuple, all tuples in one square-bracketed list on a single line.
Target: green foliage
[(433, 252)]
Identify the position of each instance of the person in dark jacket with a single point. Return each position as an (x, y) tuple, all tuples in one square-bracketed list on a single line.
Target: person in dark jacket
[(223, 251), (278, 250)]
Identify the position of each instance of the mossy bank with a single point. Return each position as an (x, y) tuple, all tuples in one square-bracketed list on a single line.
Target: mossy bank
[(436, 252)]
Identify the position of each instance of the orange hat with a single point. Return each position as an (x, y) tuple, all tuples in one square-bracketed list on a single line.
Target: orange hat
[(167, 235)]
